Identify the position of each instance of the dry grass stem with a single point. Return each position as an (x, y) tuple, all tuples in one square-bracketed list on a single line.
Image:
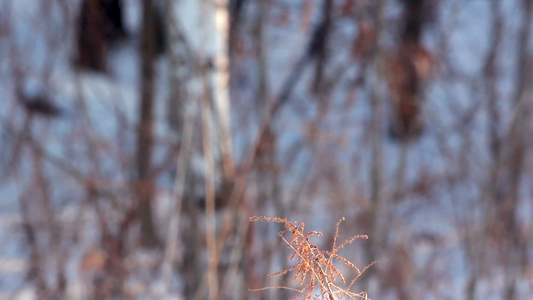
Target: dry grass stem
[(315, 269)]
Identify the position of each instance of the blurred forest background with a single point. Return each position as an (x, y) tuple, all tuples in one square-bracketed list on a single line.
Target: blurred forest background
[(137, 137)]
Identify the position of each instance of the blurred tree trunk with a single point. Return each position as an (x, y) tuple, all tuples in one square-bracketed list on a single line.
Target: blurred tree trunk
[(221, 95), (91, 38), (475, 245), (506, 222), (100, 24), (145, 189), (376, 206)]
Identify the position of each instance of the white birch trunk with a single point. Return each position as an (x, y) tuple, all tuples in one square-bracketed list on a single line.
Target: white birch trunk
[(206, 29), (221, 93)]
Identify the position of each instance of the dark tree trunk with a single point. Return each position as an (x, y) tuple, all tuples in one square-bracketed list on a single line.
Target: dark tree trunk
[(409, 67), (145, 190), (99, 25)]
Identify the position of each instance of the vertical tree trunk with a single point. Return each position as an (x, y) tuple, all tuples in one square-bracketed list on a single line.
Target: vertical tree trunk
[(221, 86), (518, 134), (474, 243), (376, 167), (145, 190), (91, 38)]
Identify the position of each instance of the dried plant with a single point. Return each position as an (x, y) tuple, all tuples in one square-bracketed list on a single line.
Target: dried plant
[(315, 268)]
